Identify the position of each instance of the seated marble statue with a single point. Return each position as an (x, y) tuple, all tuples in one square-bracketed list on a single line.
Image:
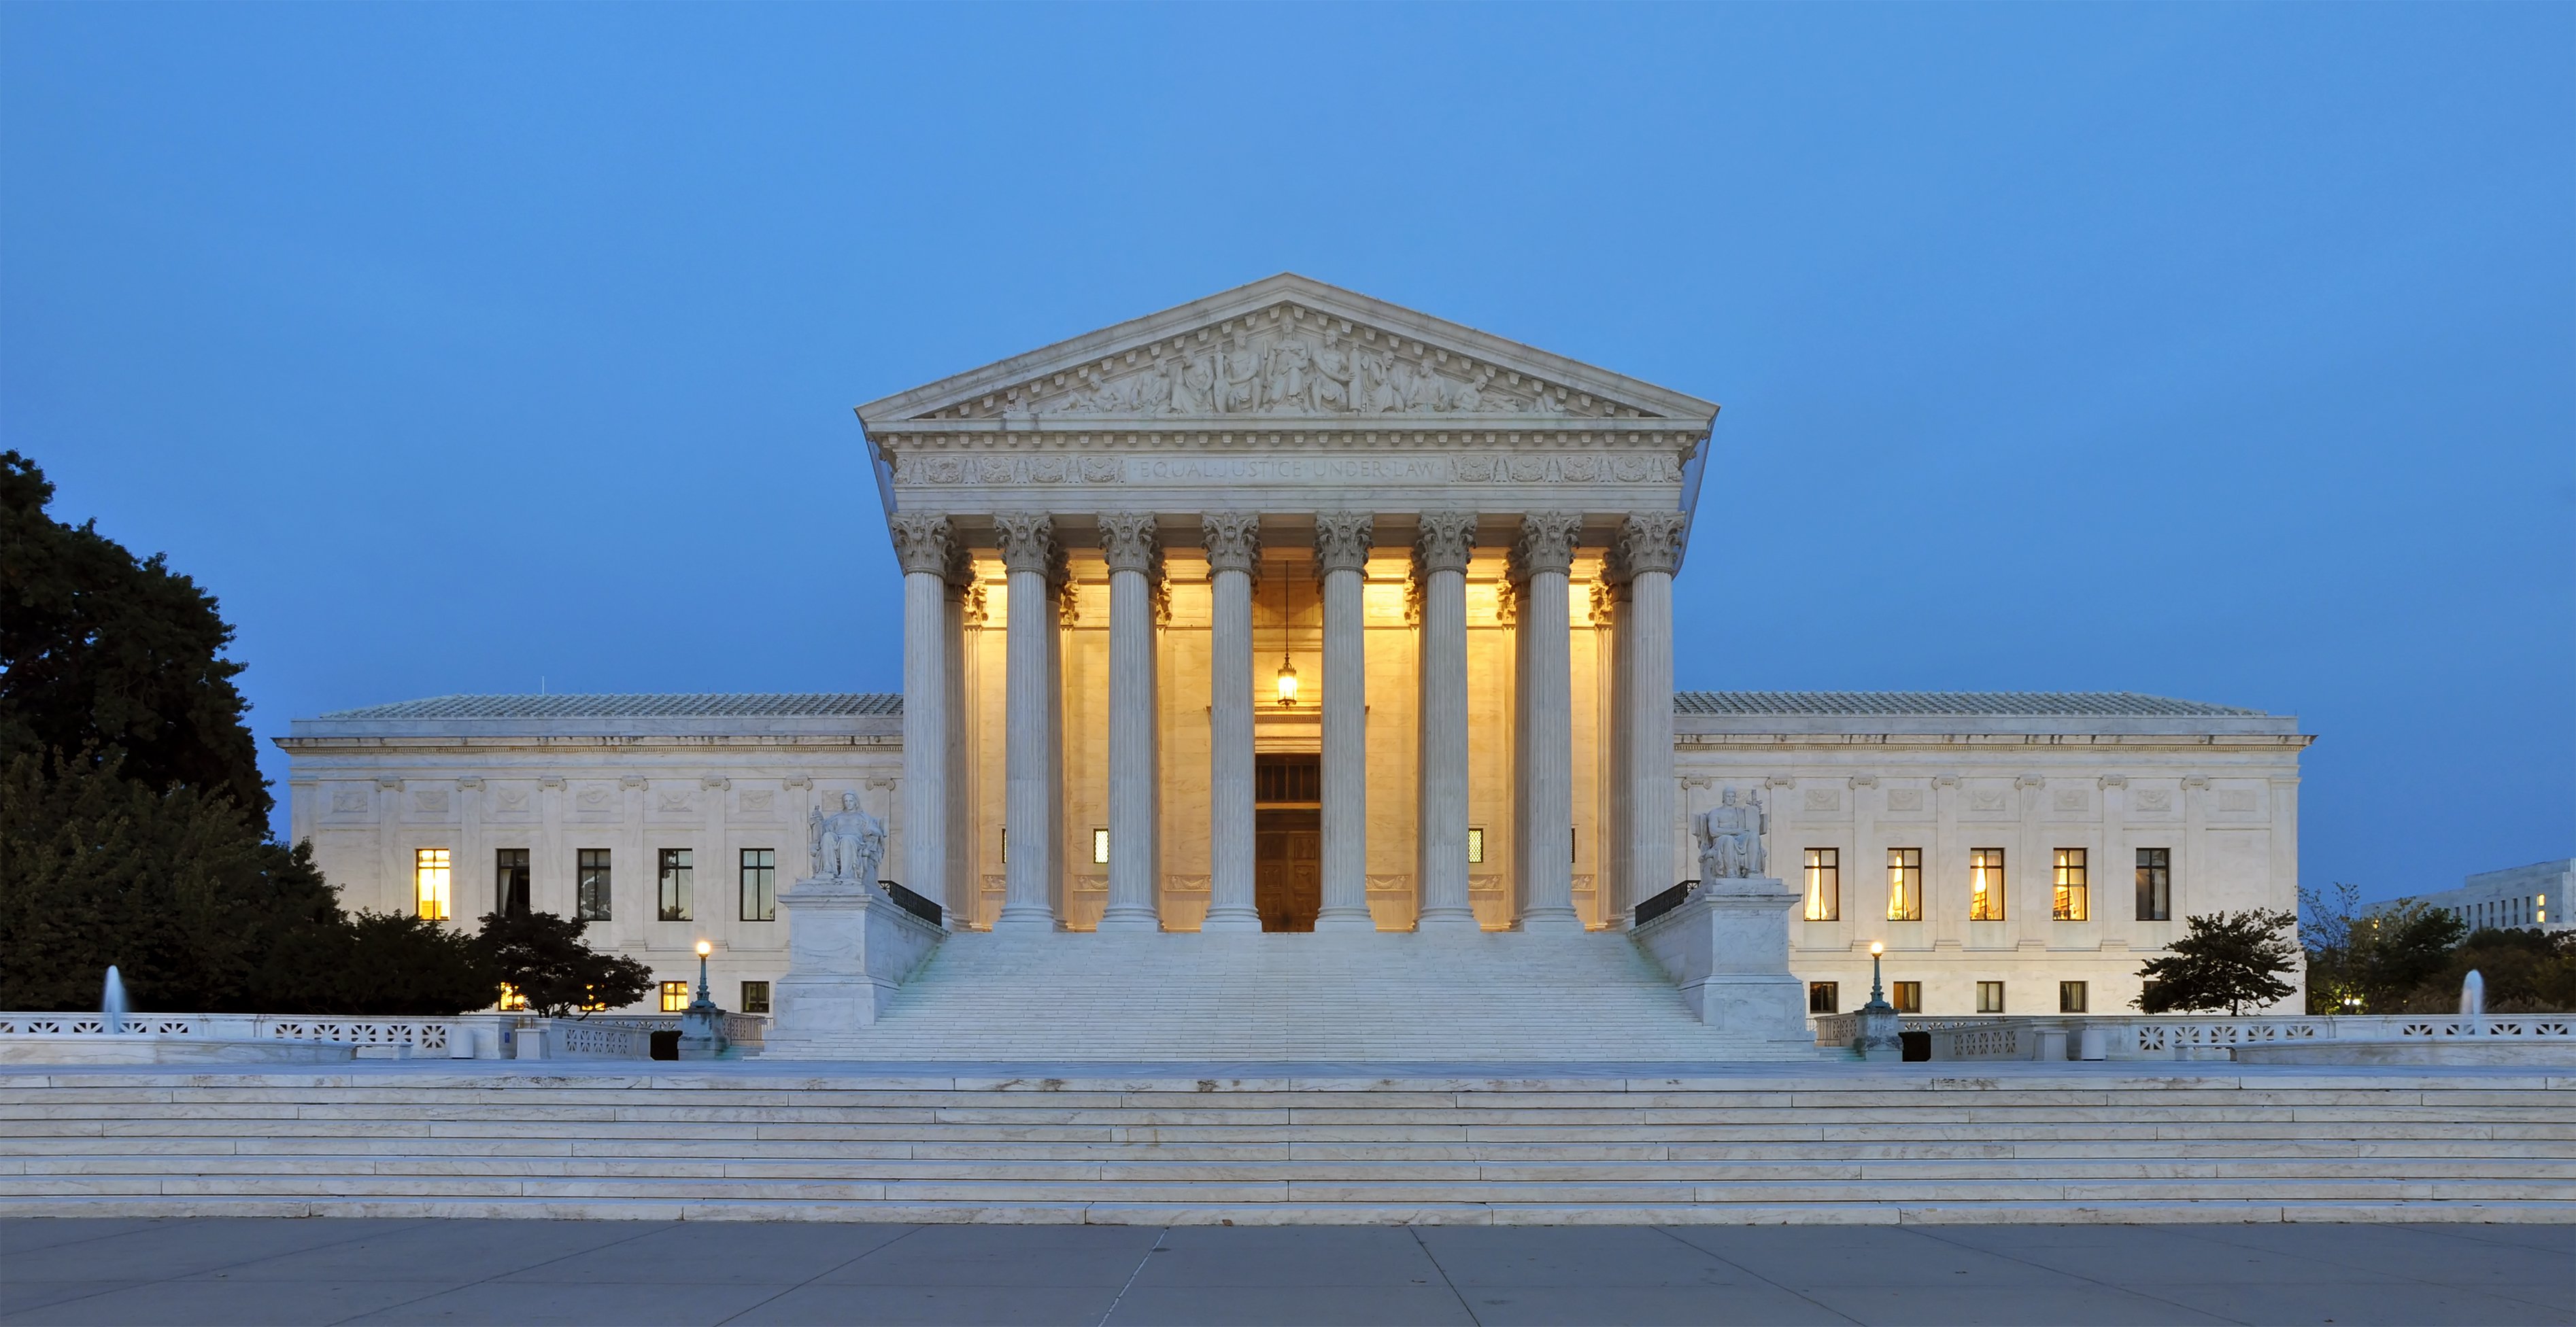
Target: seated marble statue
[(1730, 837), (849, 845)]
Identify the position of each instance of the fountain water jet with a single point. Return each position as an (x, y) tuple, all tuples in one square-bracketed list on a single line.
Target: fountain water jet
[(112, 1003), (2473, 1001)]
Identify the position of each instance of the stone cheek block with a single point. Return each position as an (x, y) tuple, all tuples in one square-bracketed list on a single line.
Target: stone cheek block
[(849, 947), (1727, 947)]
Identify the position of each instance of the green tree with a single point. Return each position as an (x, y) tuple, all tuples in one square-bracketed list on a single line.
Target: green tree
[(2224, 961), (104, 653), (544, 959), (2402, 949), (2526, 971)]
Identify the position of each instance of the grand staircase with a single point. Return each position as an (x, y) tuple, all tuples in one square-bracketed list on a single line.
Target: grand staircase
[(1818, 1143), (1276, 997)]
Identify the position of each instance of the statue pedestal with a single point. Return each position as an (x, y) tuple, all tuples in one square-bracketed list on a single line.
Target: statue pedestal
[(1727, 947), (848, 948), (1881, 1035), (702, 1035)]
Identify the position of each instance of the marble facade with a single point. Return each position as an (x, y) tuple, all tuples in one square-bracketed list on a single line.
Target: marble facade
[(1464, 550)]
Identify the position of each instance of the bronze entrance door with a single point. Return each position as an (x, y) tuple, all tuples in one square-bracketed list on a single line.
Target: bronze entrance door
[(1288, 841)]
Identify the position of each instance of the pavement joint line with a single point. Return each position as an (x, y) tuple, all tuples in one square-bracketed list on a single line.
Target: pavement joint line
[(2088, 1280), (1445, 1278), (861, 1255), (172, 1222), (1132, 1273), (1669, 1233), (655, 1227), (2430, 1228)]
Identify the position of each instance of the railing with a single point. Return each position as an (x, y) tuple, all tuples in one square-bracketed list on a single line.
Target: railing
[(596, 1039), (744, 1030), (912, 902), (400, 1035), (2185, 1036), (1665, 902)]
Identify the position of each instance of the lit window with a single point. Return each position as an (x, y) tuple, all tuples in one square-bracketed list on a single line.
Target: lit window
[(1990, 997), (755, 997), (1100, 847), (2155, 884), (1476, 845), (2070, 997), (510, 881), (1985, 884), (511, 1001), (1906, 996), (1824, 997), (429, 882), (1905, 884), (760, 884), (1824, 884), (2073, 903), (591, 887), (676, 870), (675, 997)]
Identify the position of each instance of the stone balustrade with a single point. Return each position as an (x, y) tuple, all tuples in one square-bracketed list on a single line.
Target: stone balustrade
[(2190, 1036)]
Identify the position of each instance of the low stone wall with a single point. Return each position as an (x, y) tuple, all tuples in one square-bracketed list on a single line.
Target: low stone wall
[(2218, 1037)]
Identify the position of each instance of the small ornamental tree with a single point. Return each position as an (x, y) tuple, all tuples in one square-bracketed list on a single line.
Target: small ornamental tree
[(2227, 961), (541, 957)]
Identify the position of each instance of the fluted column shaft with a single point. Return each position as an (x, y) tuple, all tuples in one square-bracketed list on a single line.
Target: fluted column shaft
[(1544, 862), (1650, 547), (1342, 543), (1234, 549), (1613, 610), (1127, 540), (1440, 567), (1028, 797), (960, 888), (921, 542)]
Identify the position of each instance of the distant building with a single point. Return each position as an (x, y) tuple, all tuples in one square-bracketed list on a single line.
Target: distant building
[(2530, 897)]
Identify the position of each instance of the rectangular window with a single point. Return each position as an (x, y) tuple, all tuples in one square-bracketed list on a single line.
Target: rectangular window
[(1476, 846), (1906, 996), (2070, 997), (755, 997), (1824, 997), (675, 997), (1985, 884), (1100, 847), (2155, 884), (429, 882), (590, 884), (1990, 997), (676, 873), (1905, 884), (2073, 901), (760, 884), (510, 882), (1824, 884)]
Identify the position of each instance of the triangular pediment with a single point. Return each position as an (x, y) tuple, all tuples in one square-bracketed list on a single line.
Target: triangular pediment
[(1285, 347)]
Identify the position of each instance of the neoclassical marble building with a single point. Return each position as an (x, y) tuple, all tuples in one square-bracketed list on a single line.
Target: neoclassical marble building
[(1289, 609)]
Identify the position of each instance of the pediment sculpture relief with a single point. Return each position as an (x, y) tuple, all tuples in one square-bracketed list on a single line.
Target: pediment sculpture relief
[(1293, 362)]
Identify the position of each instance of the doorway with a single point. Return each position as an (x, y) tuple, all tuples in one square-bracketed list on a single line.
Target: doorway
[(1288, 841)]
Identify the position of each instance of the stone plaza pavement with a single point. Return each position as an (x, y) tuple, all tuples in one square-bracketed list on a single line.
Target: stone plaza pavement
[(220, 1271)]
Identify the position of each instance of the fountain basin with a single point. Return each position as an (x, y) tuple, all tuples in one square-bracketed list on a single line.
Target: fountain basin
[(145, 1048)]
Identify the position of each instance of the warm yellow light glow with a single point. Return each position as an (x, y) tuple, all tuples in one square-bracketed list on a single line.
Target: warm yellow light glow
[(1287, 683), (429, 882), (1876, 948), (705, 949)]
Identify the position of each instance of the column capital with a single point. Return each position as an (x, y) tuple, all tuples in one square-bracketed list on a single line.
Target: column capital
[(1233, 540), (1447, 542), (1028, 540), (920, 542), (1130, 541), (1343, 541), (960, 568), (1546, 543), (1650, 541)]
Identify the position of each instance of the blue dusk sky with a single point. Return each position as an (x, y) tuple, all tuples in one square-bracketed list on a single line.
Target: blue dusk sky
[(2221, 352)]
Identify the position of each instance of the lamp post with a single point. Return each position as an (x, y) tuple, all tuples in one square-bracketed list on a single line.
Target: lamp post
[(702, 1034), (1881, 1034)]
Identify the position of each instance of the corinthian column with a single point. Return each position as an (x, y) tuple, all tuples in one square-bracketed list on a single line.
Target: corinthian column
[(1543, 863), (1650, 547), (921, 544), (1342, 542), (1028, 787), (1440, 556), (1233, 542), (1135, 561)]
